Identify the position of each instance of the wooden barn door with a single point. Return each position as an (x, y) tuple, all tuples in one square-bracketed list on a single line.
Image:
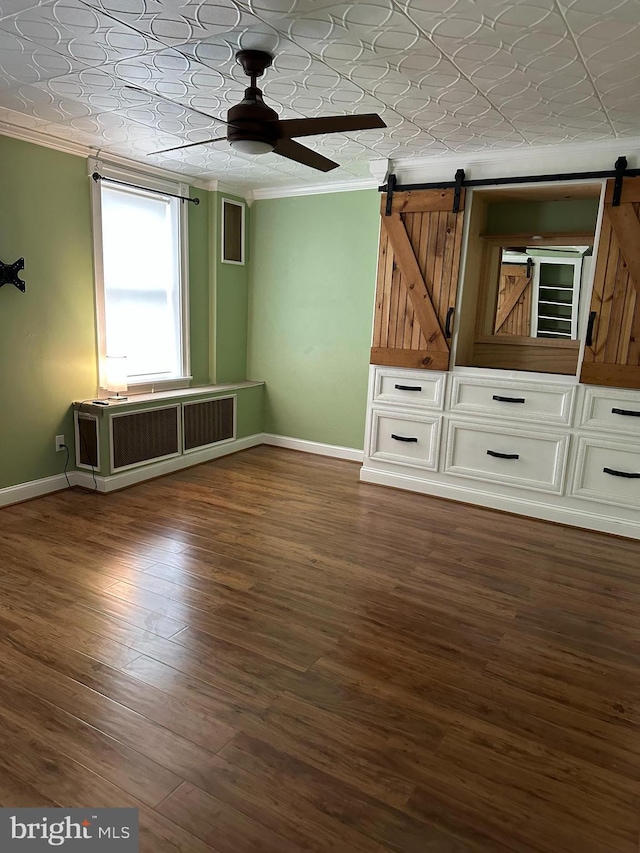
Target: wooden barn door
[(513, 313), (612, 353), (418, 265)]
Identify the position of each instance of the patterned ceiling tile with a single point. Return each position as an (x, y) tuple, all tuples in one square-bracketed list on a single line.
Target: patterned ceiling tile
[(28, 62), (445, 75), (173, 21), (77, 31)]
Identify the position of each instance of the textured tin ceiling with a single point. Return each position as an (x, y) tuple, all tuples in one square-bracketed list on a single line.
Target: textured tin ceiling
[(446, 75)]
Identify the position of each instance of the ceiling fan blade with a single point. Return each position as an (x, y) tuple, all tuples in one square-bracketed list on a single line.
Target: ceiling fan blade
[(175, 103), (292, 127), (301, 154), (189, 145)]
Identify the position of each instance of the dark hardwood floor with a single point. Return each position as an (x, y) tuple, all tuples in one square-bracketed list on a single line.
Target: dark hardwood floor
[(265, 656)]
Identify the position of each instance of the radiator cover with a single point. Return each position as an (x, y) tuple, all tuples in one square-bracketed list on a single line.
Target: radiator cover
[(140, 437), (207, 422)]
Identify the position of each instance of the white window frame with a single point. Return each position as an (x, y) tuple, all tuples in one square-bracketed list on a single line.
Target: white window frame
[(150, 182), (242, 206)]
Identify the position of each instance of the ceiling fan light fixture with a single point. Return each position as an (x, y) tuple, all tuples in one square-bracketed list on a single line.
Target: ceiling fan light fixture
[(251, 146)]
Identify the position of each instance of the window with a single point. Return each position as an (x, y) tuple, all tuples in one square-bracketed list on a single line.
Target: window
[(232, 232), (141, 278)]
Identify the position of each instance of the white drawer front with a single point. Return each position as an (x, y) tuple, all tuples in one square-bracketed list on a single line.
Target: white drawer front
[(609, 486), (612, 410), (522, 401), (515, 457), (405, 439), (418, 388)]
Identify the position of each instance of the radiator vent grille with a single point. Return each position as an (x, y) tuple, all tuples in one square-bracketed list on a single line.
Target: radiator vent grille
[(207, 422), (144, 436), (87, 440)]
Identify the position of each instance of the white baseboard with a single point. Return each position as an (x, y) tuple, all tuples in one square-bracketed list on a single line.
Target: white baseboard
[(335, 450), (33, 489), (113, 482), (519, 506)]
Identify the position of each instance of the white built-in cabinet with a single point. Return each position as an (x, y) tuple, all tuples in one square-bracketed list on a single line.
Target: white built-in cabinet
[(554, 450)]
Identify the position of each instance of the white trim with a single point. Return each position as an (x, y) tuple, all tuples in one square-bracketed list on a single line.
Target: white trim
[(33, 489), (66, 147), (315, 189), (151, 470), (113, 482), (243, 207), (335, 450), (514, 505)]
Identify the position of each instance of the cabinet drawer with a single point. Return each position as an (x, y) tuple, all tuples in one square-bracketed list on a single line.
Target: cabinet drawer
[(405, 439), (409, 388), (526, 401), (515, 457), (611, 410), (605, 472)]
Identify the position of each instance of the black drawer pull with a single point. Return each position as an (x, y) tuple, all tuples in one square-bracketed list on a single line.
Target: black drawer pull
[(590, 324), (629, 412), (402, 438), (447, 323), (626, 474), (409, 387), (508, 399), (503, 455)]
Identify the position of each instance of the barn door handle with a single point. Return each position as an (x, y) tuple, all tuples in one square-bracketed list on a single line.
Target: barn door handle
[(503, 455), (626, 474), (447, 324), (592, 320), (409, 387), (403, 438), (629, 412), (509, 399)]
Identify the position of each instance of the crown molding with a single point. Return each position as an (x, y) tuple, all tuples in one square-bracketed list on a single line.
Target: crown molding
[(314, 189), (598, 155), (25, 134)]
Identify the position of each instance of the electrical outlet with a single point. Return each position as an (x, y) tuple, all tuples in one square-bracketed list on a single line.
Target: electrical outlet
[(60, 443)]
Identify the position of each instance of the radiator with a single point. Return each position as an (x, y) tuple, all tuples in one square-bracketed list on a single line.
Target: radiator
[(207, 422)]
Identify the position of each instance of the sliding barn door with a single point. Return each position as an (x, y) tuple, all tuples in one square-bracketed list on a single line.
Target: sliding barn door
[(513, 313), (612, 354), (418, 265)]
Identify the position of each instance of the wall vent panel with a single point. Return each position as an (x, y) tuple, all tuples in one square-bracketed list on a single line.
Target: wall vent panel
[(139, 437), (208, 422)]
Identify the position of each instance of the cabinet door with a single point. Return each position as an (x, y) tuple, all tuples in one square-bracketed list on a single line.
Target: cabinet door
[(612, 354), (513, 313), (418, 266)]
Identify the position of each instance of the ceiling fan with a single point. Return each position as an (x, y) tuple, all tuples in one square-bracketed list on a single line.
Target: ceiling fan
[(254, 128)]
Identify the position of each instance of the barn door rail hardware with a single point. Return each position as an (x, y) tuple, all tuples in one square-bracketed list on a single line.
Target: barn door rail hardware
[(9, 274), (619, 172), (98, 177)]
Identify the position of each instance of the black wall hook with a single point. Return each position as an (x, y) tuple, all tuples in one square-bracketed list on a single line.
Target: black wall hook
[(9, 274)]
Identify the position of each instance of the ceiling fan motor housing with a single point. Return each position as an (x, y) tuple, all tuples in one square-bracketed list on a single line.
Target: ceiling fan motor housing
[(252, 119)]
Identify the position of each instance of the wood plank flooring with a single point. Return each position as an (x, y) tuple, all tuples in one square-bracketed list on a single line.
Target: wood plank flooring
[(265, 656)]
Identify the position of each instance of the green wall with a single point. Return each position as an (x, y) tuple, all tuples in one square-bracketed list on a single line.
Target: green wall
[(312, 290), (47, 335), (527, 217), (232, 304)]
